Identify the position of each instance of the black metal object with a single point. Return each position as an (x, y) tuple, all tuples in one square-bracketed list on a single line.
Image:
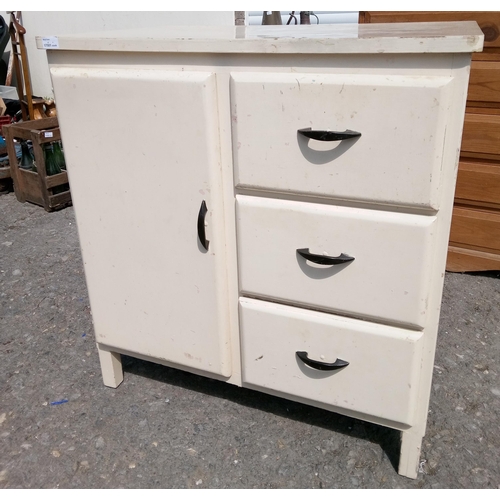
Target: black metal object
[(321, 365), (292, 16), (201, 225), (324, 260), (328, 135)]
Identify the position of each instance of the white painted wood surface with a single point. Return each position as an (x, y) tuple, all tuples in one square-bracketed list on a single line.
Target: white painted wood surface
[(310, 39), (397, 160), (384, 362), (138, 174), (387, 282), (111, 367), (138, 181)]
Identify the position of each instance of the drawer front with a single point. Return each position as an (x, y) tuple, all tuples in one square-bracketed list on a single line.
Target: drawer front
[(388, 280), (380, 380), (396, 160)]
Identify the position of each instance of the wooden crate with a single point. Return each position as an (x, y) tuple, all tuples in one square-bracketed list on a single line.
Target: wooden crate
[(36, 187)]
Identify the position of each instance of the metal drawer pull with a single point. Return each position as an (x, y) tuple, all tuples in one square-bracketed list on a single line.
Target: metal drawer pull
[(324, 260), (328, 135), (321, 365), (201, 225)]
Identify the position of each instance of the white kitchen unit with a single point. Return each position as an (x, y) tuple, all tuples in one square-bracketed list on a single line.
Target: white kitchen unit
[(270, 206)]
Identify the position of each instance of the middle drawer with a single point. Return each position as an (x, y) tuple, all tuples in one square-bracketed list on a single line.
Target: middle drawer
[(388, 280)]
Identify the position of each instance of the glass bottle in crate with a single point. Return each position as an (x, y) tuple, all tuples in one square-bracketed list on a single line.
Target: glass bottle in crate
[(51, 162), (58, 153), (27, 160)]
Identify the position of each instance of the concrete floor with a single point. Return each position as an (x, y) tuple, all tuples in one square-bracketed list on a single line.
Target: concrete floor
[(163, 428)]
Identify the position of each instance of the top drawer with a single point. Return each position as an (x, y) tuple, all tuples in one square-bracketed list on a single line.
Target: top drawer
[(397, 159)]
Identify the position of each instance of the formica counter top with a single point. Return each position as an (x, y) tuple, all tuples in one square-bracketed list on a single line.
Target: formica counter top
[(310, 39)]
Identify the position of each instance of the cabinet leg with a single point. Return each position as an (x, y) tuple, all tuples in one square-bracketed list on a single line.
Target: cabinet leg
[(409, 458), (111, 367)]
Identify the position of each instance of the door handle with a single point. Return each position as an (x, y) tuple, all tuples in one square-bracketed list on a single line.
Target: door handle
[(328, 135), (321, 365), (201, 225), (324, 260)]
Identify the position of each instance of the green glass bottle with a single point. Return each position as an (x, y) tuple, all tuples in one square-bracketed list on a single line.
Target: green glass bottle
[(26, 158), (59, 155), (51, 165)]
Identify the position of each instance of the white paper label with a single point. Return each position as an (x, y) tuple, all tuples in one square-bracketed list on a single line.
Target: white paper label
[(49, 134), (50, 42)]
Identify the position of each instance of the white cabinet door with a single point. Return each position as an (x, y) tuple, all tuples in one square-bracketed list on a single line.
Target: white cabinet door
[(143, 155)]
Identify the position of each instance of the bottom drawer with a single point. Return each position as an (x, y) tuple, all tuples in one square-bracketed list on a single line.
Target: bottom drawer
[(380, 379)]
